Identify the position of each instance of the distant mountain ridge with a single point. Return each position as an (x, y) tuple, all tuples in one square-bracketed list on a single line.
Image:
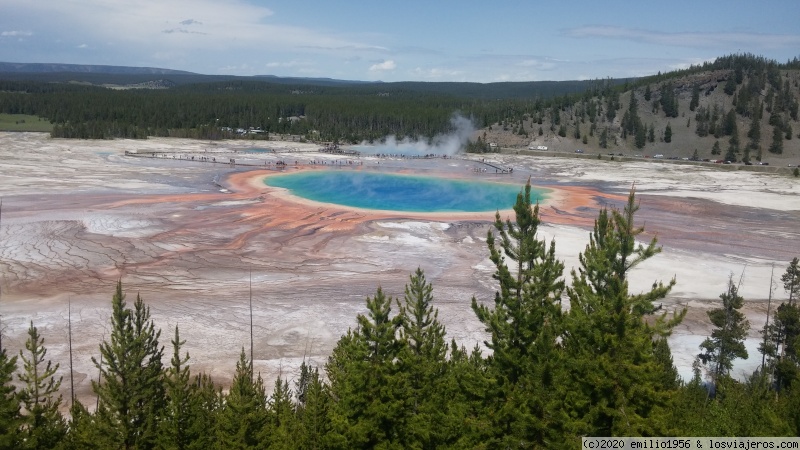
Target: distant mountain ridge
[(139, 77), (10, 67)]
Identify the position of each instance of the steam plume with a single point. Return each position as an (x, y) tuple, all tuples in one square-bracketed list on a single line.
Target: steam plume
[(442, 144)]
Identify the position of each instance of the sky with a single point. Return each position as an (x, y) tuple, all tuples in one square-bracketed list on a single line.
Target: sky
[(410, 40)]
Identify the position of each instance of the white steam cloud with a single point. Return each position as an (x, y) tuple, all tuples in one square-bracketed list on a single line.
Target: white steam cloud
[(442, 144)]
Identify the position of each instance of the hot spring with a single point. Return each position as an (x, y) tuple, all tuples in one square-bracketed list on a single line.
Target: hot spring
[(395, 192)]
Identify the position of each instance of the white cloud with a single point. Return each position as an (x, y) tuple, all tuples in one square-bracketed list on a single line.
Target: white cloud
[(436, 73), (156, 25), (16, 33), (383, 66), (83, 46), (688, 39), (287, 64), (537, 64)]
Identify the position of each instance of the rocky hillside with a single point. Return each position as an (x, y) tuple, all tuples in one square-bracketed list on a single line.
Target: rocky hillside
[(745, 112)]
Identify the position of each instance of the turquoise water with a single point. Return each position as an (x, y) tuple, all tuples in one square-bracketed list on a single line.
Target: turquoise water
[(259, 150), (394, 192)]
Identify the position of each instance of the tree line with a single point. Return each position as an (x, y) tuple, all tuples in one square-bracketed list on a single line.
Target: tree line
[(548, 374), (203, 109)]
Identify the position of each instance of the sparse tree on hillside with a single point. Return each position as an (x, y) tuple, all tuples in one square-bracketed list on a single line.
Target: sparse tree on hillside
[(604, 138), (733, 147), (730, 86), (640, 139), (695, 101), (716, 150), (668, 133), (668, 100), (754, 134), (777, 141)]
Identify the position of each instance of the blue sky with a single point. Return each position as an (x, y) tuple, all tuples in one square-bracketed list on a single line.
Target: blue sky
[(433, 40)]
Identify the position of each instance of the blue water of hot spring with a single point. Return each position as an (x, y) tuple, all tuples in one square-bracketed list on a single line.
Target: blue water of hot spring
[(395, 192)]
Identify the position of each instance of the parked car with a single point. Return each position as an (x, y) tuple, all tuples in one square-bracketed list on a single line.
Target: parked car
[(658, 156), (578, 151)]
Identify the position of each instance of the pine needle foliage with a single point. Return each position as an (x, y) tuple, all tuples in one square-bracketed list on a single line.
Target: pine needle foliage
[(131, 390), (726, 342), (616, 382), (524, 325), (44, 427)]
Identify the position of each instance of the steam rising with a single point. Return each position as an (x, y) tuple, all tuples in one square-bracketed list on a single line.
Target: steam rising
[(442, 144)]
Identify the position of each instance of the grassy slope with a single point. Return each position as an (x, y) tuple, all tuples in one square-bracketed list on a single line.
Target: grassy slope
[(24, 122)]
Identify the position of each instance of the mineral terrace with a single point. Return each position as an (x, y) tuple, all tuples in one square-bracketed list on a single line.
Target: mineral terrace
[(197, 238)]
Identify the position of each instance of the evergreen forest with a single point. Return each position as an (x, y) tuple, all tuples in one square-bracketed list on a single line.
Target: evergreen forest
[(546, 375), (739, 108)]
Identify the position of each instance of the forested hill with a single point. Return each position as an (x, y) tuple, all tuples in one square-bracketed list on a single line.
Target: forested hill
[(740, 108)]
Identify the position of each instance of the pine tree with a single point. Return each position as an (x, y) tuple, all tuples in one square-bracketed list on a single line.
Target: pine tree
[(727, 339), (754, 133), (782, 336), (615, 384), (131, 390), (730, 86), (367, 389), (776, 146), (10, 419), (206, 405), (640, 138), (44, 427), (281, 425), (523, 324), (244, 412), (668, 133), (604, 138), (791, 280), (695, 101), (84, 431), (670, 380), (173, 431), (422, 360), (313, 407)]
